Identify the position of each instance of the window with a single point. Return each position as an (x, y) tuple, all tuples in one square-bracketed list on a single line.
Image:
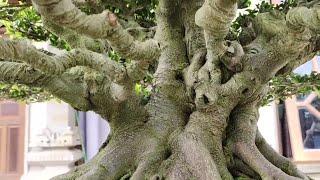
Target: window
[(303, 115)]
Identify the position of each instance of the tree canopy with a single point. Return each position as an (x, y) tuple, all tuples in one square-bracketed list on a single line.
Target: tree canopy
[(22, 21)]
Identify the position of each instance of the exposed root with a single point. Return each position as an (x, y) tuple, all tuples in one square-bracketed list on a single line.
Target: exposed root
[(112, 162), (251, 155), (239, 168), (243, 140), (191, 160), (153, 153), (95, 173), (83, 169), (208, 129), (219, 158), (75, 173), (275, 158), (194, 152)]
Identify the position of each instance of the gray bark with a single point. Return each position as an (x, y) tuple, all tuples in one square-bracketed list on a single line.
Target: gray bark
[(201, 120)]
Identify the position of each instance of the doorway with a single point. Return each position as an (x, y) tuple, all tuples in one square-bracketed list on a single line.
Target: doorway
[(12, 127)]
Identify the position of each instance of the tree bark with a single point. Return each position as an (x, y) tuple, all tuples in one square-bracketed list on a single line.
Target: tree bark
[(201, 119)]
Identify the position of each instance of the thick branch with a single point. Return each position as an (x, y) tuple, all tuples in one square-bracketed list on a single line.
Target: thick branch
[(13, 72), (300, 18), (276, 47), (56, 65), (215, 17), (63, 87), (75, 40), (63, 77), (97, 26), (81, 88)]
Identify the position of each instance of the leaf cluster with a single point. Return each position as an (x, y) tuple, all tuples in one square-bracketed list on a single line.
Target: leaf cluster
[(22, 93), (141, 11), (283, 87), (25, 22), (246, 18), (22, 21)]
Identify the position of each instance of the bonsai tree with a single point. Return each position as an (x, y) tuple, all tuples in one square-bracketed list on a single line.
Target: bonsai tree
[(179, 82)]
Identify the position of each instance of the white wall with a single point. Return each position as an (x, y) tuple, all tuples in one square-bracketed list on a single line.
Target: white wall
[(268, 125), (37, 118), (55, 121), (52, 115)]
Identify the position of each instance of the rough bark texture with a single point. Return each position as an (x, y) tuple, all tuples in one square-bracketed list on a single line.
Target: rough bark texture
[(201, 119)]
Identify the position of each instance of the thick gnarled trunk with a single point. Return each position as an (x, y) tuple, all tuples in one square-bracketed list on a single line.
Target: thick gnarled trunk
[(201, 119), (201, 146)]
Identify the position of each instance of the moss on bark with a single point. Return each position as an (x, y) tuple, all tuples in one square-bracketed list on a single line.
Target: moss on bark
[(201, 119)]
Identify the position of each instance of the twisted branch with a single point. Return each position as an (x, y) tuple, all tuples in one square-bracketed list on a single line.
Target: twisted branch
[(300, 18), (98, 26), (20, 73), (75, 40), (57, 65), (63, 87), (215, 17)]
